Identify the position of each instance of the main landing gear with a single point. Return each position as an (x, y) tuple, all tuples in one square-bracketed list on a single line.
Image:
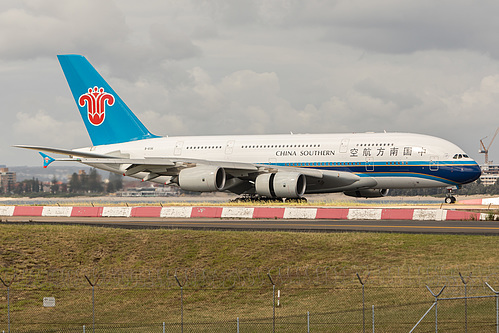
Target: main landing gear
[(257, 198), (449, 198)]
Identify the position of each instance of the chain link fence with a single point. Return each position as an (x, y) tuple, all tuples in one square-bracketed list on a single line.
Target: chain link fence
[(321, 299)]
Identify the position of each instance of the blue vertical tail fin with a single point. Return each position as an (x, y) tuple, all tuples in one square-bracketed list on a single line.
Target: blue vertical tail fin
[(107, 118)]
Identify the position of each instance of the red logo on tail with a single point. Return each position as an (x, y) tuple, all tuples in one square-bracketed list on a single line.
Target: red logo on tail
[(96, 100)]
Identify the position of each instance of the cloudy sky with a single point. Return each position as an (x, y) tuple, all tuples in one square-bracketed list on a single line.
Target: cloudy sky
[(254, 67)]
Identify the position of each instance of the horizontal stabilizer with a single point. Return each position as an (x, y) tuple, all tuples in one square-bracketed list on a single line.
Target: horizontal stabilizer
[(68, 152), (46, 159)]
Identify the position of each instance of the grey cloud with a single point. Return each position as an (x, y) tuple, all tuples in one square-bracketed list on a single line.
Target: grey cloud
[(241, 12), (402, 100), (402, 26), (173, 45), (97, 29), (35, 29)]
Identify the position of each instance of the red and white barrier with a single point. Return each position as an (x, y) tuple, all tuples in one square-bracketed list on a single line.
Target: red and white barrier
[(169, 212), (7, 210), (309, 213), (487, 201)]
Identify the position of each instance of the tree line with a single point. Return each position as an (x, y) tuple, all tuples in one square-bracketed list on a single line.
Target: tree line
[(78, 183)]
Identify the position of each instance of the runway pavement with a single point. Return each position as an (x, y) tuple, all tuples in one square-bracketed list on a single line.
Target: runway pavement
[(397, 226)]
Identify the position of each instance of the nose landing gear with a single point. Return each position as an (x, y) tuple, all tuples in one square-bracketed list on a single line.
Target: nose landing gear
[(449, 198)]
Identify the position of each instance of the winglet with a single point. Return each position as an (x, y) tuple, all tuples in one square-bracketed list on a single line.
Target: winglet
[(46, 159)]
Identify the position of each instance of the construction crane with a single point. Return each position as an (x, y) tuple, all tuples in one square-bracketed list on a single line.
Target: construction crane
[(484, 150)]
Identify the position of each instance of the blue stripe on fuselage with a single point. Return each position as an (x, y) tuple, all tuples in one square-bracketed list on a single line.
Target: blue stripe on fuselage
[(449, 172)]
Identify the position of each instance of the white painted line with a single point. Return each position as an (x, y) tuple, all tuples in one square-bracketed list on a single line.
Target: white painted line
[(175, 212), (490, 201), (7, 210), (57, 211), (300, 213), (488, 217), (365, 214), (116, 211), (238, 212), (429, 215)]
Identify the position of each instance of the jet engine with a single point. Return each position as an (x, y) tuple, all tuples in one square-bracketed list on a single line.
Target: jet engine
[(367, 193), (281, 185), (203, 178)]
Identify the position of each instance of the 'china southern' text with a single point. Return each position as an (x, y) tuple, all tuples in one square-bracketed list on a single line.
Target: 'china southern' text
[(304, 153)]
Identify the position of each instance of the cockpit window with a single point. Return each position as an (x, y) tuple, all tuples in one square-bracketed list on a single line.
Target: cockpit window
[(459, 156)]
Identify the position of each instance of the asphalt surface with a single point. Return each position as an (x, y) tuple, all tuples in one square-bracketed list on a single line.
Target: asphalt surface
[(395, 226)]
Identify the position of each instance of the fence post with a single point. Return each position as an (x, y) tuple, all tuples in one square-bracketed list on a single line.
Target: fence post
[(273, 306), (436, 305), (363, 302), (497, 306), (308, 321), (181, 304), (465, 301), (93, 300), (373, 318), (8, 299)]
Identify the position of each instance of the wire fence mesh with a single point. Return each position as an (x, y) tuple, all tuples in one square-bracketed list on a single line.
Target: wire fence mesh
[(319, 299)]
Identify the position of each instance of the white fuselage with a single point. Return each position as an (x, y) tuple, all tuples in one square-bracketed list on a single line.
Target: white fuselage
[(393, 160)]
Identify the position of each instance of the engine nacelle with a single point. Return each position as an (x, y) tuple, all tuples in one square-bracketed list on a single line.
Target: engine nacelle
[(367, 193), (203, 178), (281, 185)]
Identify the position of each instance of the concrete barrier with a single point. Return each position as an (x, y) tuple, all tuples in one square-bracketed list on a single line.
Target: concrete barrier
[(86, 211), (146, 212), (429, 215), (57, 211), (300, 213), (175, 212), (365, 214), (28, 211), (268, 213), (454, 215), (486, 201), (238, 212), (309, 213), (116, 211), (397, 214), (490, 201), (7, 210), (212, 212), (332, 213)]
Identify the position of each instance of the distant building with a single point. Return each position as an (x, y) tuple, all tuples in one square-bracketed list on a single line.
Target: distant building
[(490, 174), (7, 179)]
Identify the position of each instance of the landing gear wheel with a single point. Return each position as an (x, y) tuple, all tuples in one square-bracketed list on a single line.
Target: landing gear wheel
[(450, 199), (256, 199), (296, 200)]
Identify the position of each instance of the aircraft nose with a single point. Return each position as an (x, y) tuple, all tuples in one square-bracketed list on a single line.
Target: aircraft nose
[(473, 172)]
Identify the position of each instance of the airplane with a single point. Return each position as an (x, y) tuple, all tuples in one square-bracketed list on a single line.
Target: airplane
[(261, 167)]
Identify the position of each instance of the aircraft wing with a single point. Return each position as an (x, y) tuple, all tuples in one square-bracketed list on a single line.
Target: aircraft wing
[(167, 165), (171, 166)]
